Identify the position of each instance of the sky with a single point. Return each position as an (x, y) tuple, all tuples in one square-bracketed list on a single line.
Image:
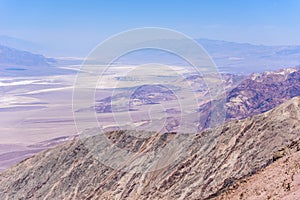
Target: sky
[(75, 27)]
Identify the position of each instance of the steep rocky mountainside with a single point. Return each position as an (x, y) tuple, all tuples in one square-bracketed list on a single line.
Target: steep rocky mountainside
[(205, 165), (262, 92), (280, 180), (254, 95)]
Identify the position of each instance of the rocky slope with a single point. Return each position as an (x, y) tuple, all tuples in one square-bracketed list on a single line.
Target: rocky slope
[(262, 92), (254, 95), (280, 180), (204, 165)]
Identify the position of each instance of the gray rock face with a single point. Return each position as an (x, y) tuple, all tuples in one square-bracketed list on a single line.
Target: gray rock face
[(205, 163)]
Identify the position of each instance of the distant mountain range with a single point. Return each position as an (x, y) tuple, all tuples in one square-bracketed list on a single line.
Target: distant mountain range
[(14, 57), (14, 62), (206, 164), (247, 58), (230, 57), (20, 44)]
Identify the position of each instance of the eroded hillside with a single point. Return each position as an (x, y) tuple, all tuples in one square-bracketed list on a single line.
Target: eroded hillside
[(206, 163)]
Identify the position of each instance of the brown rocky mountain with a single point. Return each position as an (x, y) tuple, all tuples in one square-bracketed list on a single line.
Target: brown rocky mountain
[(254, 95), (280, 180), (262, 92), (205, 164)]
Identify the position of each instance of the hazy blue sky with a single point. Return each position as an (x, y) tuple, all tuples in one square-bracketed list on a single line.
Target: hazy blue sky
[(67, 24)]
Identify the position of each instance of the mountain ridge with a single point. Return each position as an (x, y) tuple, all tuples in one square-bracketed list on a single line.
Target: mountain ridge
[(14, 57), (203, 169), (19, 63)]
